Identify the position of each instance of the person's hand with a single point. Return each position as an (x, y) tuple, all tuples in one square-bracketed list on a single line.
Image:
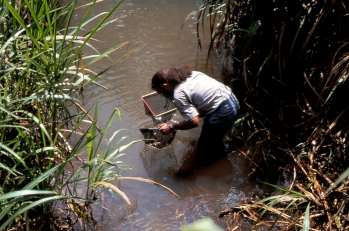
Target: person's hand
[(164, 128)]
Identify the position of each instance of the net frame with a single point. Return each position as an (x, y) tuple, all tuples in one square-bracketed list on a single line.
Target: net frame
[(161, 110)]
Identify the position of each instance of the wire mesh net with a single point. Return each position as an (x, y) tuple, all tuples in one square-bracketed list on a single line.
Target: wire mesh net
[(153, 137), (158, 107), (161, 110)]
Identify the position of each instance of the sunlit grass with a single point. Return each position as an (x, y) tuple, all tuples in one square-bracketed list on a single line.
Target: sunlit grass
[(51, 146), (42, 73)]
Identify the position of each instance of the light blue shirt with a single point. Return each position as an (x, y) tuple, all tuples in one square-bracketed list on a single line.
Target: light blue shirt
[(199, 95)]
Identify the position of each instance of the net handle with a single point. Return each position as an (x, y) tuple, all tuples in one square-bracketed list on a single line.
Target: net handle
[(148, 107), (167, 112)]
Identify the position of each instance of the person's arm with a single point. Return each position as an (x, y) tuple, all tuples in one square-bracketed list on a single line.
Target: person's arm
[(165, 128)]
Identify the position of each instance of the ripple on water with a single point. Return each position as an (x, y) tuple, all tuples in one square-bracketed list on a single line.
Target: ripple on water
[(159, 45)]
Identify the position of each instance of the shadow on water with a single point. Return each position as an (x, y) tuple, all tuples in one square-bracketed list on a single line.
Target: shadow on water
[(153, 26)]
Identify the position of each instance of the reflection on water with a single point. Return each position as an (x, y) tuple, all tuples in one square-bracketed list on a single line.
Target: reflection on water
[(153, 27)]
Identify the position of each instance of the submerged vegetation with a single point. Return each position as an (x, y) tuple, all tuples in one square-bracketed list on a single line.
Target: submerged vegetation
[(288, 63)]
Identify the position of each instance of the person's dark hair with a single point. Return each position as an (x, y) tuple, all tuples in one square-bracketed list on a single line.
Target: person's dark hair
[(177, 75), (159, 78), (173, 76)]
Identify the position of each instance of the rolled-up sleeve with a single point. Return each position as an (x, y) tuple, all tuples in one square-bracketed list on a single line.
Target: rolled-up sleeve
[(182, 103)]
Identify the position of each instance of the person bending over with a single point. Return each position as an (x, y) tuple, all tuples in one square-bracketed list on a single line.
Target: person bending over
[(197, 95)]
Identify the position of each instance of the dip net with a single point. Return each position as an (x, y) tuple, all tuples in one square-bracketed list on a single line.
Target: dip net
[(153, 137), (161, 110)]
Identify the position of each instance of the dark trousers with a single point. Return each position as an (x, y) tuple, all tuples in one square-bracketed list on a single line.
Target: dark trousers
[(210, 145)]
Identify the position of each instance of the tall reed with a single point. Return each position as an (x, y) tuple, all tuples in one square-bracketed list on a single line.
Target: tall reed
[(42, 75)]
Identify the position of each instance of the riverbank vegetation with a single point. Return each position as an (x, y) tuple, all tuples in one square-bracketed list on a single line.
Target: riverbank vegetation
[(42, 79), (288, 63)]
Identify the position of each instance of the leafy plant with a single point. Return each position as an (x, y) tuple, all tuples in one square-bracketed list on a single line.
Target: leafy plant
[(42, 76), (44, 126)]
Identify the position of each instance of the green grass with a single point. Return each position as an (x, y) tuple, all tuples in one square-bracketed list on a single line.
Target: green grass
[(42, 75), (43, 124)]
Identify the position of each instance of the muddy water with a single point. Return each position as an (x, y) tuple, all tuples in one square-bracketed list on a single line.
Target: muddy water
[(153, 29)]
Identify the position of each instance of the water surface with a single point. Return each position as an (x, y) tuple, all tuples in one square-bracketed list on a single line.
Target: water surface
[(153, 28)]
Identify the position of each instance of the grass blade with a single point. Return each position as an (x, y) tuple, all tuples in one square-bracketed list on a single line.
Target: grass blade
[(306, 222), (116, 189), (31, 206), (22, 193), (150, 182)]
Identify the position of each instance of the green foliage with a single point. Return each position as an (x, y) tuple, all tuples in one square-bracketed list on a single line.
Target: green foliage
[(340, 179), (42, 79), (102, 162)]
